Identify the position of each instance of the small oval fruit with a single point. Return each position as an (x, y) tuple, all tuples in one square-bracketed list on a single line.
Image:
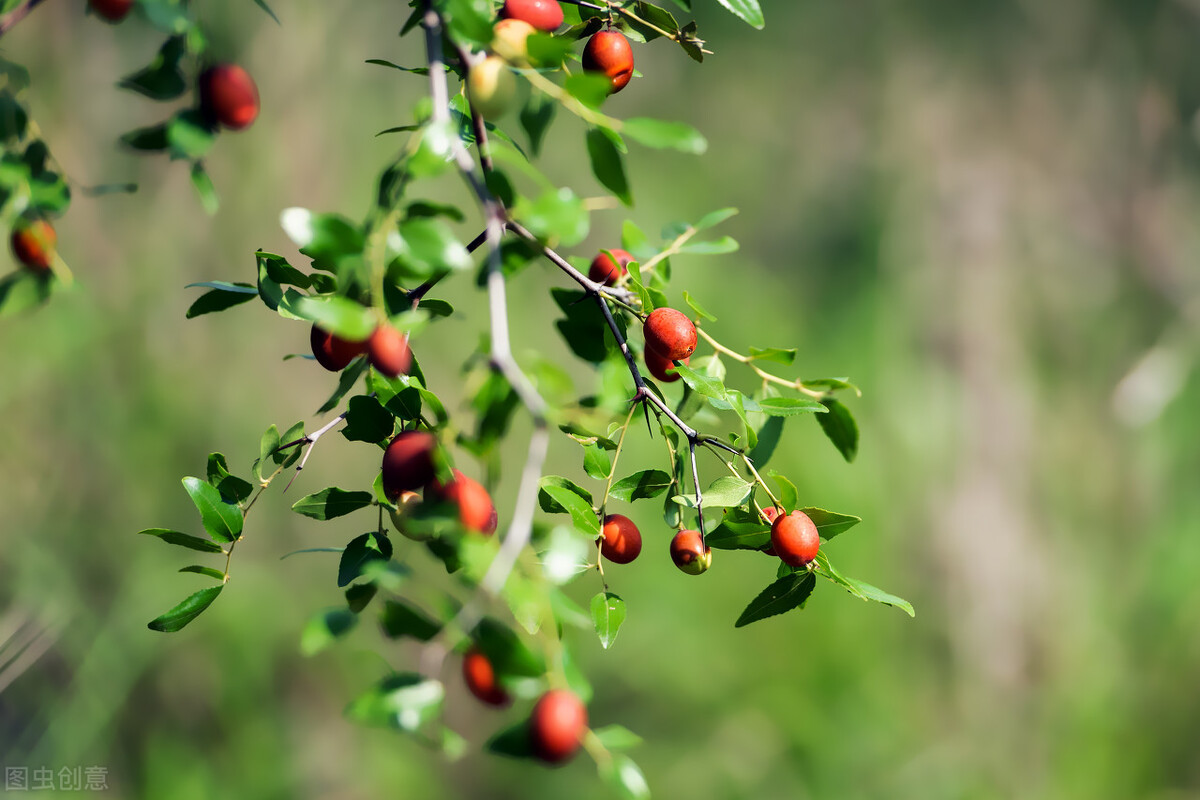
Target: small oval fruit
[(408, 463), (670, 334), (557, 725), (662, 368), (609, 52), (622, 541), (480, 677), (33, 243), (476, 511), (229, 96), (111, 10), (607, 271), (491, 87), (545, 15), (388, 350), (510, 40), (795, 538), (333, 352), (400, 518), (689, 553)]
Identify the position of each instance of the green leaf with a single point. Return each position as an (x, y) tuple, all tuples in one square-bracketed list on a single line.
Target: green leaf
[(570, 501), (714, 218), (204, 187), (324, 237), (716, 247), (185, 612), (790, 591), (548, 503), (326, 628), (879, 596), (379, 62), (607, 165), (787, 493), (428, 247), (368, 421), (789, 406), (832, 384), (222, 520), (617, 737), (768, 438), (588, 88), (340, 316), (639, 485), (777, 354), (725, 492), (469, 19), (830, 524), (700, 312), (608, 612), (536, 117), (702, 384), (206, 571), (513, 741), (232, 488), (740, 530), (189, 135), (266, 446), (507, 652), (152, 138), (840, 427), (747, 10), (360, 595), (222, 296), (183, 540), (404, 701), (400, 618), (162, 79), (361, 551), (331, 503), (596, 462), (262, 4), (557, 215), (626, 777), (659, 134), (349, 377)]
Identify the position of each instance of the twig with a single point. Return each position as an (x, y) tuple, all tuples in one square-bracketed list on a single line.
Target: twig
[(9, 20)]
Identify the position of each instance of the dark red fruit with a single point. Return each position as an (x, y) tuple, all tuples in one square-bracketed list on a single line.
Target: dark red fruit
[(689, 553), (228, 96), (795, 538), (111, 10), (333, 352), (622, 540), (33, 245), (770, 512), (480, 678), (661, 368), (408, 463), (545, 15), (388, 350), (475, 508), (605, 270), (609, 52), (670, 334), (557, 726)]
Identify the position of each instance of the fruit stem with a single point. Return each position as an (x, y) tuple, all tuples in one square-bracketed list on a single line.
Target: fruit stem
[(616, 457)]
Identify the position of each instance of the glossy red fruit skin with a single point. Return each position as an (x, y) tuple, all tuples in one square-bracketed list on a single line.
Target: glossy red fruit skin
[(771, 513), (605, 270), (229, 96), (476, 511), (408, 463), (622, 541), (33, 245), (795, 539), (388, 350), (670, 334), (480, 678), (557, 725), (661, 368), (333, 352), (111, 10), (545, 15), (689, 553), (609, 52)]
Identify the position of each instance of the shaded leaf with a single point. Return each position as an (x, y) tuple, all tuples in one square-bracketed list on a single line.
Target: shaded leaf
[(608, 612), (790, 591), (183, 540), (639, 485), (840, 427), (185, 612), (331, 503)]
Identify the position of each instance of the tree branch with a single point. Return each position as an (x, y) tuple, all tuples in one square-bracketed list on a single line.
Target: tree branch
[(9, 20)]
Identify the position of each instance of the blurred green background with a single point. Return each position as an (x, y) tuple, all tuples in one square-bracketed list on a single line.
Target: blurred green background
[(981, 211)]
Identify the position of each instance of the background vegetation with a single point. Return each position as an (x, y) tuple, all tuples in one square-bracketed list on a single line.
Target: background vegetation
[(981, 211)]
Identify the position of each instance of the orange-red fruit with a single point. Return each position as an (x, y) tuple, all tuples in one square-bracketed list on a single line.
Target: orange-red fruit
[(609, 52), (661, 368), (388, 350), (795, 538), (605, 270), (622, 540), (111, 10), (689, 553), (33, 245), (545, 15), (333, 352), (670, 334), (557, 726), (229, 96), (408, 463), (770, 512), (480, 678), (475, 508)]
